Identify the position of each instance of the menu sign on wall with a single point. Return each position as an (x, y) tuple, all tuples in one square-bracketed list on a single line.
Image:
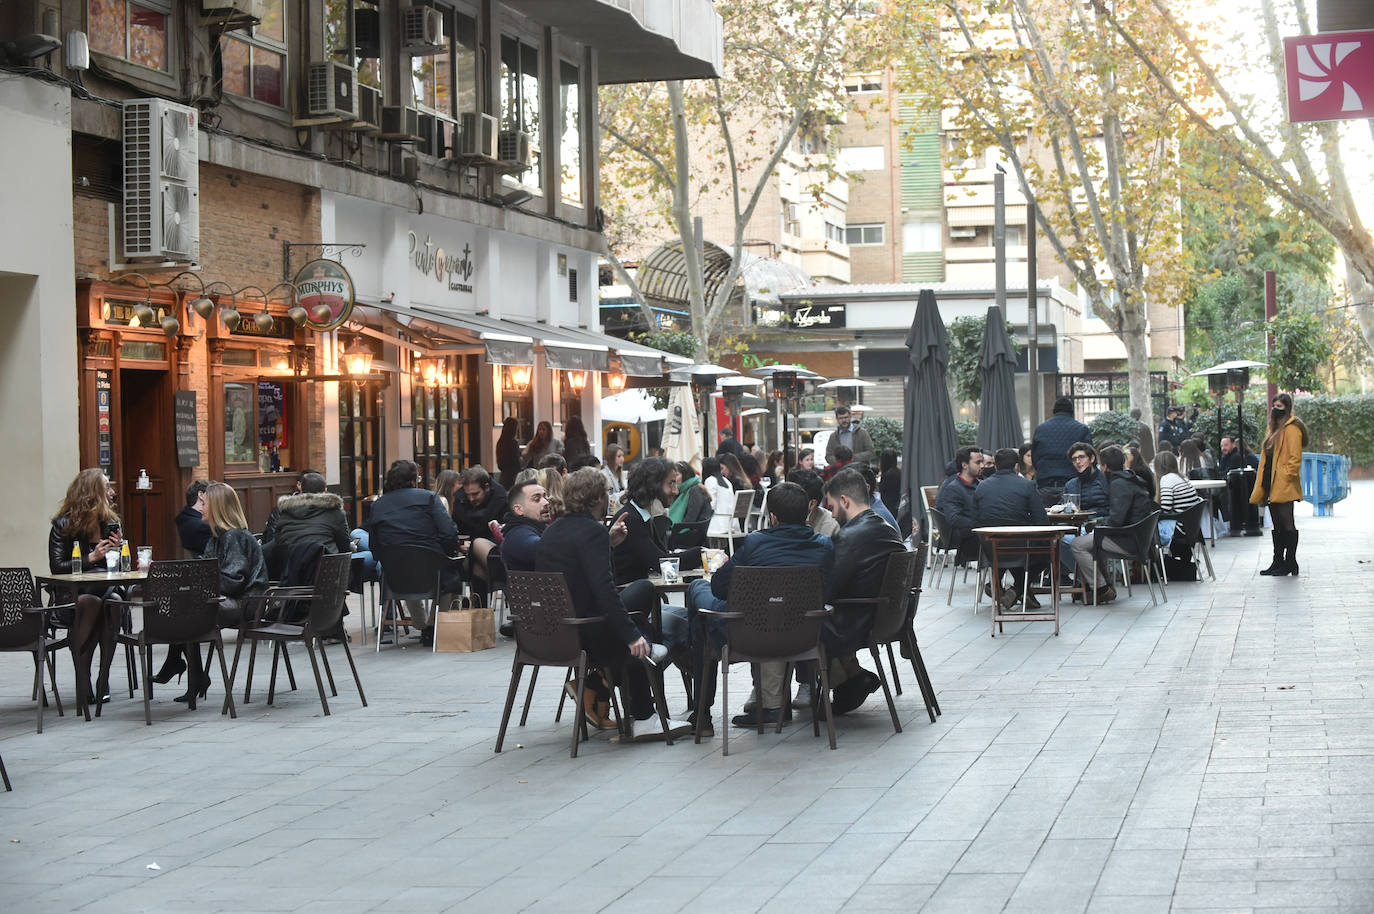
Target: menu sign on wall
[(105, 456), (188, 438), (452, 271), (325, 290)]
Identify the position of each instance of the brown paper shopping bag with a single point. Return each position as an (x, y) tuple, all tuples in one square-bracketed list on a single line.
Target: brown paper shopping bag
[(464, 630)]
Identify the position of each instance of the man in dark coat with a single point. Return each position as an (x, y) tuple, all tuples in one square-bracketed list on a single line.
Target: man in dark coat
[(786, 541), (481, 501), (192, 529), (861, 551), (1143, 436), (1130, 502), (311, 515), (578, 546), (1009, 499), (729, 444), (1051, 443), (955, 501), (406, 515), (525, 524), (269, 532)]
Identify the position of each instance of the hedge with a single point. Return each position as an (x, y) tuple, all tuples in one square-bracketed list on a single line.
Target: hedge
[(1340, 425)]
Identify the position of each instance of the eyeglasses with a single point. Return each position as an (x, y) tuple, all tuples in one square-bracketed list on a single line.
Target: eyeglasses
[(1077, 457)]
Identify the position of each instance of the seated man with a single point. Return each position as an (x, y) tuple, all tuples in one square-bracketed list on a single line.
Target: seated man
[(1009, 499), (818, 517), (652, 486), (269, 532), (786, 541), (529, 515), (955, 501), (578, 546), (861, 552), (312, 515), (843, 458), (192, 529), (1129, 503), (1088, 484), (481, 501), (874, 500), (407, 515)]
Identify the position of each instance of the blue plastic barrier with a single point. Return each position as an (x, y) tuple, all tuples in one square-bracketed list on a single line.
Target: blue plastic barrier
[(1325, 481)]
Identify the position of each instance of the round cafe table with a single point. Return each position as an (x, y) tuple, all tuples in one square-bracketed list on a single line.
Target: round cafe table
[(1028, 540), (92, 582)]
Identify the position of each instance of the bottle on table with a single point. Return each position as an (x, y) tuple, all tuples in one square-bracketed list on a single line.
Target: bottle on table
[(125, 560), (76, 558)]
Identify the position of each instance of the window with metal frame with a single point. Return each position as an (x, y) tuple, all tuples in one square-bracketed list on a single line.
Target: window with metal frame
[(254, 59), (361, 455), (134, 31), (340, 20), (520, 102)]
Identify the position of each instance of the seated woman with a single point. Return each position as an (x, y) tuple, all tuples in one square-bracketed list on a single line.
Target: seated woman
[(692, 505), (717, 485), (87, 521), (1175, 495), (579, 546)]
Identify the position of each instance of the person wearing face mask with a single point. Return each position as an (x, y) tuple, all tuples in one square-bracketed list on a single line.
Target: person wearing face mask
[(1278, 482)]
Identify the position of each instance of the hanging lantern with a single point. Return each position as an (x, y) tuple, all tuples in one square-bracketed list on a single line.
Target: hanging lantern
[(231, 318), (203, 307), (171, 327), (264, 321), (615, 380), (577, 380), (298, 315), (357, 359), (518, 378)]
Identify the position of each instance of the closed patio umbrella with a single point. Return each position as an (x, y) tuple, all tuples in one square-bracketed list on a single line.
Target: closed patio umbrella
[(999, 421), (928, 436)]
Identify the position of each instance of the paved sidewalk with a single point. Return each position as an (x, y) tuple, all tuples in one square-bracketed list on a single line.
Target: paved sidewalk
[(1215, 753)]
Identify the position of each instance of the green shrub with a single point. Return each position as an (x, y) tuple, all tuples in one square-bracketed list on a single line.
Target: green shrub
[(967, 432), (1206, 423), (1112, 427), (886, 433), (1340, 425)]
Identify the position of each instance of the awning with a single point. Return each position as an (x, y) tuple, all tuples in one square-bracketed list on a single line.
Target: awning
[(506, 343), (565, 351)]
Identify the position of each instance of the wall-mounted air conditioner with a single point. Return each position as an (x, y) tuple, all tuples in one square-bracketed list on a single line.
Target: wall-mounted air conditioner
[(422, 31), (369, 108), (514, 146), (332, 90), (233, 14), (476, 136), (161, 181), (404, 165), (427, 145), (400, 123)]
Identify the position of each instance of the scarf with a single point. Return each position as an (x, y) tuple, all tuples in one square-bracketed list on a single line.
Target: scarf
[(678, 510)]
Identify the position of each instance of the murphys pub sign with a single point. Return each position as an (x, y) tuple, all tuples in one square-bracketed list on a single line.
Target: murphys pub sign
[(325, 290)]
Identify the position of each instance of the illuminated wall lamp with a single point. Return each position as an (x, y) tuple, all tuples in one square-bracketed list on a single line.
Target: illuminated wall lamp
[(357, 361), (518, 378), (577, 381), (615, 380)]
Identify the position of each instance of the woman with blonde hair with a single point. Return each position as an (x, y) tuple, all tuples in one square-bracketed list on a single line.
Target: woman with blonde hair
[(552, 481), (87, 521), (1278, 482), (444, 484)]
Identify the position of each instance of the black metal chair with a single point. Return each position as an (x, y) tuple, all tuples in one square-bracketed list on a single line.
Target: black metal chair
[(1141, 540), (1190, 528), (774, 615), (24, 627), (944, 549), (546, 634), (408, 573), (180, 606), (324, 620), (687, 536), (4, 775), (889, 619)]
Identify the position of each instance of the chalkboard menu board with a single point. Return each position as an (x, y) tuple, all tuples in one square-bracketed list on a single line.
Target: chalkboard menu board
[(188, 442)]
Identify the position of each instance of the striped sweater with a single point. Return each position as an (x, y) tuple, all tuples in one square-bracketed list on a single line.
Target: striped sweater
[(1177, 494)]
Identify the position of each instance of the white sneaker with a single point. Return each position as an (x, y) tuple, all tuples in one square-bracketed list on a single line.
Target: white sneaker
[(648, 731), (752, 701), (805, 696)]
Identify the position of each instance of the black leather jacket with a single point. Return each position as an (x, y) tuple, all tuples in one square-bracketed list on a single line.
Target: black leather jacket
[(861, 550), (60, 550)]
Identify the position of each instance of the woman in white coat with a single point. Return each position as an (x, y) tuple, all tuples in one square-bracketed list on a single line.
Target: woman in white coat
[(722, 497)]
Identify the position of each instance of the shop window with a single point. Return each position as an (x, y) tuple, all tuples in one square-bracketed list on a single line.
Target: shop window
[(570, 149), (438, 429), (360, 446), (337, 16), (520, 100), (257, 424), (255, 60), (136, 32)]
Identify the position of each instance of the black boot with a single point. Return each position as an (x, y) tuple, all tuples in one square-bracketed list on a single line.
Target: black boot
[(1292, 553), (1278, 566)]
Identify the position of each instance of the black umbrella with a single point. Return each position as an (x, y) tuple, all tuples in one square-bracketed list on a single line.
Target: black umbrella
[(999, 421), (928, 437)]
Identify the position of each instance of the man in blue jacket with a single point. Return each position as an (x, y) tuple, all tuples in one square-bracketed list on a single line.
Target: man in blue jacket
[(1050, 446), (955, 502), (786, 541)]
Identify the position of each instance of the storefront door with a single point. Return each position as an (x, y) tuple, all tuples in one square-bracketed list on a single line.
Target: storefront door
[(146, 443), (361, 461)]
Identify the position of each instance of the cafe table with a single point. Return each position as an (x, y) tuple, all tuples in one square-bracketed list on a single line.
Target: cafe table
[(1029, 540), (1207, 488), (93, 582)]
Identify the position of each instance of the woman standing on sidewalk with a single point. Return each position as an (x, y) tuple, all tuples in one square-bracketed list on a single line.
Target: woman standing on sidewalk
[(1279, 484)]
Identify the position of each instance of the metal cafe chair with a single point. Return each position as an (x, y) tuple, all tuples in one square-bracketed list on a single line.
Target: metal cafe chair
[(24, 627), (408, 573), (889, 621)]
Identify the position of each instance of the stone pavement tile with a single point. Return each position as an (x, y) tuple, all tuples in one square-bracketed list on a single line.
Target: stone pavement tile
[(1003, 852), (1063, 869), (713, 856), (1130, 904), (915, 862), (892, 897), (1144, 839), (1086, 827), (968, 893)]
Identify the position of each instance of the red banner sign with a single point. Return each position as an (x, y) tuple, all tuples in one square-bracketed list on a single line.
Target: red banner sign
[(1330, 76)]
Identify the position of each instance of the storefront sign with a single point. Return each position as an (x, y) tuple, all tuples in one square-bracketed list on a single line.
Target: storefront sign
[(453, 272), (1330, 76), (325, 282), (801, 317), (102, 417), (188, 440)]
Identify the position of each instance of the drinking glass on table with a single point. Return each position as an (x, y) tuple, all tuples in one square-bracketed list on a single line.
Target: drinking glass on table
[(112, 561), (668, 568), (145, 557)]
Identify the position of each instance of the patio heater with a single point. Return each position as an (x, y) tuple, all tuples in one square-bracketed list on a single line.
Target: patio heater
[(733, 391), (1235, 377), (786, 384), (703, 380)]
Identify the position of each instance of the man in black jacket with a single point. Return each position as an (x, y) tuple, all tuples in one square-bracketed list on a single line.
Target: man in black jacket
[(955, 502), (786, 541), (312, 515), (1008, 499), (407, 515), (861, 550), (1129, 500), (1050, 446), (578, 546), (652, 486), (192, 529)]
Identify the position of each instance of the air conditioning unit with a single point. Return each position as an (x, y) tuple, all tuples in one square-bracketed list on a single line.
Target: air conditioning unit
[(232, 14), (476, 136), (514, 146), (367, 32), (422, 31), (369, 109), (967, 231), (400, 123), (161, 181), (427, 133), (332, 90), (404, 165)]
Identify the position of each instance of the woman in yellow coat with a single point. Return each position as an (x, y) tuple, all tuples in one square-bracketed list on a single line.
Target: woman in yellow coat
[(1279, 482)]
